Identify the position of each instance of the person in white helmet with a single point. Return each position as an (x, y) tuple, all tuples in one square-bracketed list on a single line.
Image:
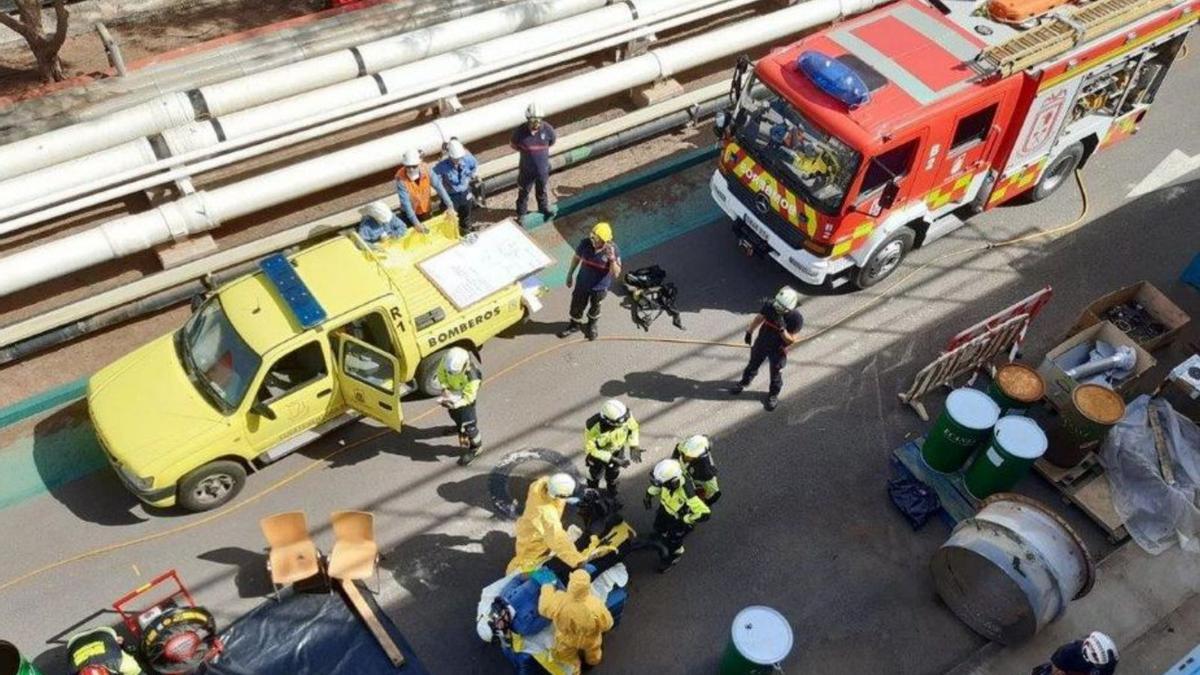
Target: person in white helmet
[(379, 223), (457, 171), (780, 323), (539, 530), (460, 381), (679, 509), (611, 438), (1095, 654), (533, 140), (694, 454), (415, 186)]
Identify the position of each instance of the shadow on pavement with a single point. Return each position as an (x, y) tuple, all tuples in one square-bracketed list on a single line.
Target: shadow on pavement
[(405, 444), (473, 491), (668, 388), (251, 576)]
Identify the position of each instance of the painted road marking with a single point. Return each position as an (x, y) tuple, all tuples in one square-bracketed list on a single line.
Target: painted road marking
[(1173, 167)]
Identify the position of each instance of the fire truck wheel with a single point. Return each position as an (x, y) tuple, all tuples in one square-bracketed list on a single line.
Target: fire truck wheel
[(885, 259), (211, 485), (1056, 174)]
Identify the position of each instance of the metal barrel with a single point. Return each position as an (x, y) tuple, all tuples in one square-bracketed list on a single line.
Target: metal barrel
[(1016, 444), (1083, 425), (12, 663), (975, 575), (1016, 386), (759, 640), (969, 415)]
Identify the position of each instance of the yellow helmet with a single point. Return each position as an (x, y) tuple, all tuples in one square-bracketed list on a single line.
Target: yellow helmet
[(603, 232)]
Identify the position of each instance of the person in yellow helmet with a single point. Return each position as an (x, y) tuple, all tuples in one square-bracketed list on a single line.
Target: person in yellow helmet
[(539, 530), (580, 620), (598, 263)]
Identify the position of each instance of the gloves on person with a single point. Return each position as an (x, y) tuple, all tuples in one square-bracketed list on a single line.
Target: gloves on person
[(635, 453), (749, 338), (647, 500)]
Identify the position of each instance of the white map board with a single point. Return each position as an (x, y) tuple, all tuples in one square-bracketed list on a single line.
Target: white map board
[(472, 270)]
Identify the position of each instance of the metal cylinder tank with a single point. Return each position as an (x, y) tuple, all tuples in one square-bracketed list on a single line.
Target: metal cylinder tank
[(1011, 569)]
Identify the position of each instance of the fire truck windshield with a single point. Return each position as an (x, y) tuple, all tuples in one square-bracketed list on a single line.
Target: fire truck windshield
[(810, 161)]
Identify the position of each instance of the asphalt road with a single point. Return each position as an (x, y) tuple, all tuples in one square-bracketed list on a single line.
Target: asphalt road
[(805, 525)]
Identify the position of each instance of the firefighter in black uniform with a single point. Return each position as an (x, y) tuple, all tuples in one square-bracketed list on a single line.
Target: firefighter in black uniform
[(780, 324)]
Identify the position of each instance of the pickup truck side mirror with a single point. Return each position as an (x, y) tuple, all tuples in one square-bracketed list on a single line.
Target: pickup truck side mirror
[(262, 410), (720, 121), (887, 197)]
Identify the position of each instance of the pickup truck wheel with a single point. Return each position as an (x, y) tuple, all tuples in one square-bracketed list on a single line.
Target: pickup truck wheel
[(1057, 173), (427, 382), (211, 485), (886, 258)]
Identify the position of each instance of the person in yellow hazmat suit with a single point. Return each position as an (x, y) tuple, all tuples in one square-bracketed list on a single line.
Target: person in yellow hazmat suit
[(580, 620), (539, 530)]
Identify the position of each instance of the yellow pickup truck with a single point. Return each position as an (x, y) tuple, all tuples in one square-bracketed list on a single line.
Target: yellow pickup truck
[(274, 359)]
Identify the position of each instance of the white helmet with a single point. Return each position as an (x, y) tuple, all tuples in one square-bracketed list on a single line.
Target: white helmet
[(412, 157), (377, 210), (667, 470), (534, 111), (1099, 649), (614, 411), (455, 149), (456, 360), (693, 447), (560, 485), (786, 299)]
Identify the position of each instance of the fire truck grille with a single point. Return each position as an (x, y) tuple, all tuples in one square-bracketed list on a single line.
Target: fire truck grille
[(789, 233)]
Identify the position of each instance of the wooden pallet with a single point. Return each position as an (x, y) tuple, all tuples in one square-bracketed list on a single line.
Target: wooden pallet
[(957, 503), (1086, 486)]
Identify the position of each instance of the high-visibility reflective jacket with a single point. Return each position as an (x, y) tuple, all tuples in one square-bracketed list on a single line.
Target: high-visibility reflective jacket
[(540, 533), (681, 503), (99, 647), (464, 386), (601, 441), (702, 471)]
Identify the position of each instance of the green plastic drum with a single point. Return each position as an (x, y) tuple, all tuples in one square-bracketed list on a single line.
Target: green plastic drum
[(1016, 444), (760, 639), (969, 415), (1016, 387), (12, 663), (1081, 427)]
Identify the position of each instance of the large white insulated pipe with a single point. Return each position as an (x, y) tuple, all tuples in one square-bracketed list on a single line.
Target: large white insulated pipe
[(206, 210), (180, 108)]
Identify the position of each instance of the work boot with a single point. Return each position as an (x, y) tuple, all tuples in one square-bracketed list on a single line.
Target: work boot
[(772, 402), (468, 456), (571, 329), (589, 330), (548, 216), (737, 389)]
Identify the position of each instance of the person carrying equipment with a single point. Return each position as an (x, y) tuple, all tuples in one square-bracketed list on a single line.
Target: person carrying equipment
[(100, 651), (1095, 654), (415, 185), (611, 439), (457, 173), (679, 509), (539, 530), (598, 262), (781, 323), (694, 454), (460, 381), (580, 620)]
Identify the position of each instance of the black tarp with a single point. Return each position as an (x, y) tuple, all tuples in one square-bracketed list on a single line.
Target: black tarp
[(309, 633)]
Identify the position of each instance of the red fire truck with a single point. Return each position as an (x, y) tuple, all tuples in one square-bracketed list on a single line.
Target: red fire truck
[(873, 136)]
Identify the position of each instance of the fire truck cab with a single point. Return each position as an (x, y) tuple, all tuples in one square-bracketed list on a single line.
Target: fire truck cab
[(863, 140)]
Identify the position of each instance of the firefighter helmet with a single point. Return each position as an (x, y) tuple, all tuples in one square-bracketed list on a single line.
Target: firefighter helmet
[(694, 447), (561, 485), (412, 157), (666, 471), (455, 149), (602, 231), (534, 111), (456, 360), (614, 412), (787, 299), (1099, 649)]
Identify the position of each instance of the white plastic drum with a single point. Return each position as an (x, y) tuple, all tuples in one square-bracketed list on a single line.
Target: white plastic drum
[(1021, 437), (762, 635), (972, 408)]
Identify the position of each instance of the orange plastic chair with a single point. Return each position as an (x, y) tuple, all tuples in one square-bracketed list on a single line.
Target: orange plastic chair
[(292, 556), (355, 554)]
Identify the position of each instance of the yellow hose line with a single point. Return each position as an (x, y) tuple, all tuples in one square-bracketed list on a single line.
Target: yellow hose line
[(1058, 231)]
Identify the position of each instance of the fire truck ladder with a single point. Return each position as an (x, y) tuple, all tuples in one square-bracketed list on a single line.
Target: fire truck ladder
[(1059, 33)]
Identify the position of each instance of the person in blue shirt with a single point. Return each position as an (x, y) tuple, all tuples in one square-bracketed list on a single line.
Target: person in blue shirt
[(533, 140), (1095, 654), (379, 223), (456, 172), (598, 263), (415, 185)]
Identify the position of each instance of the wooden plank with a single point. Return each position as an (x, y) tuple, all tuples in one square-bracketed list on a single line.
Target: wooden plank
[(1160, 446), (1095, 498), (364, 612)]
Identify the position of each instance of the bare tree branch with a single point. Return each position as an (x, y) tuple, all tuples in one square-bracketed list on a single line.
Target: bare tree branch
[(20, 28), (61, 16)]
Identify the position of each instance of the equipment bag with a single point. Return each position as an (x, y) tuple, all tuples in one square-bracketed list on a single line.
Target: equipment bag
[(650, 296)]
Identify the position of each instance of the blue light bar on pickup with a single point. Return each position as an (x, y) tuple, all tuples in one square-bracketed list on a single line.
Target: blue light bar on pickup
[(291, 288)]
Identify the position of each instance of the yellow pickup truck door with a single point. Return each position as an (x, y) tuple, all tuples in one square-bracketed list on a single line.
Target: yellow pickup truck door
[(368, 378), (294, 395)]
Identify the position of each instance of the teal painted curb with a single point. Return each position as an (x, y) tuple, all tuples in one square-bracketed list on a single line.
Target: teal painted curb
[(51, 398)]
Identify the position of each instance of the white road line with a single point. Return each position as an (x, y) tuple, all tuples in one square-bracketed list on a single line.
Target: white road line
[(1175, 166)]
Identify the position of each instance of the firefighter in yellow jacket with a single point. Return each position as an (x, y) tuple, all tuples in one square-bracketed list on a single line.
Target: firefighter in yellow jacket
[(580, 620), (539, 530), (679, 509), (611, 439), (460, 379)]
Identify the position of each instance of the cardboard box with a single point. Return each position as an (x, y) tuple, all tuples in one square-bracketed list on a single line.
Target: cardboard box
[(1074, 351), (1145, 294)]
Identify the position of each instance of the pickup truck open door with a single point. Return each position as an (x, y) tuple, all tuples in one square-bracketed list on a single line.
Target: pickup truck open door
[(368, 378)]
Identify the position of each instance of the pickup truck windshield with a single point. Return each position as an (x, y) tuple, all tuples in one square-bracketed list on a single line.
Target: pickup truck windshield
[(216, 357), (815, 164)]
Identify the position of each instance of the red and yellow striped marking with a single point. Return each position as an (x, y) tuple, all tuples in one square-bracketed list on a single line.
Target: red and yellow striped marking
[(1017, 183), (1122, 128), (854, 240), (952, 191), (782, 199)]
